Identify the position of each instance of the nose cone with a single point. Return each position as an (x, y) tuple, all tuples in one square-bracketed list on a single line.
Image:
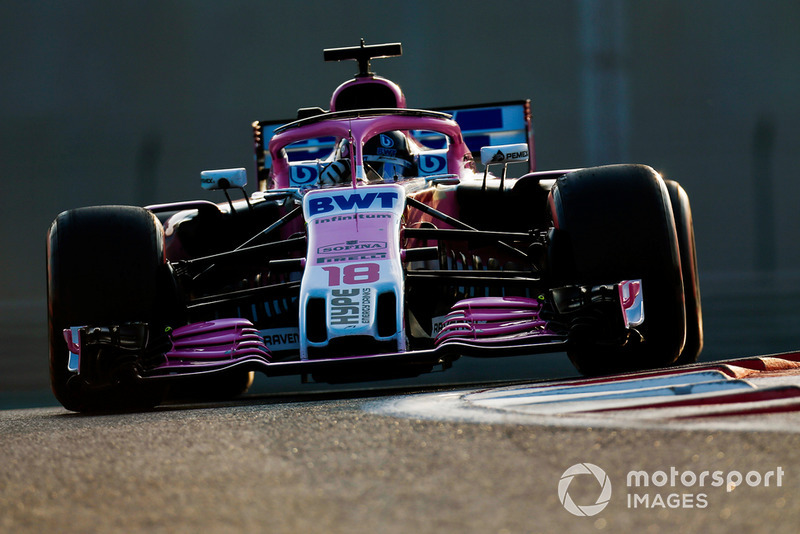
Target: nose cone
[(351, 293)]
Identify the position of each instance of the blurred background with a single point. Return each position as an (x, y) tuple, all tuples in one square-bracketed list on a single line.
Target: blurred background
[(125, 102)]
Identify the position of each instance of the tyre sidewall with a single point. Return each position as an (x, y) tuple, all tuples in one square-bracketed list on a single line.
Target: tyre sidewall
[(684, 227)]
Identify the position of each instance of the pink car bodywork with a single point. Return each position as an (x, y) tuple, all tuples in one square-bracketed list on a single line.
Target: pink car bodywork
[(327, 292)]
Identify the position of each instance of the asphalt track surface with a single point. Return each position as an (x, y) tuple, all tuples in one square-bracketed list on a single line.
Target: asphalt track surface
[(366, 461)]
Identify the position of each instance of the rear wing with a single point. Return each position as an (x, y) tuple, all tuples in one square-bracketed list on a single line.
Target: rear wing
[(503, 123)]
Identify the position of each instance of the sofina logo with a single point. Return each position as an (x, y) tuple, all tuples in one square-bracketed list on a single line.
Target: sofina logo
[(589, 509)]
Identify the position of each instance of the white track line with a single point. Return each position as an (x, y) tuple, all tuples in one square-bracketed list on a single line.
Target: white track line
[(699, 396)]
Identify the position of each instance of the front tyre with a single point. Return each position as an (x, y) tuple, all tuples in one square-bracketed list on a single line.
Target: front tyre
[(105, 266), (615, 223)]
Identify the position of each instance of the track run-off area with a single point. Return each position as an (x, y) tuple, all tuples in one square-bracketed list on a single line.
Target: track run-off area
[(703, 448), (719, 395)]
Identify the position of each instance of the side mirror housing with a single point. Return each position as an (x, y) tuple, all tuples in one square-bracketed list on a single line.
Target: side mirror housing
[(502, 154), (223, 179)]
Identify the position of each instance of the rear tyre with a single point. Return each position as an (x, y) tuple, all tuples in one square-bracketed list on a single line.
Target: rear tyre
[(682, 213), (105, 266), (615, 223)]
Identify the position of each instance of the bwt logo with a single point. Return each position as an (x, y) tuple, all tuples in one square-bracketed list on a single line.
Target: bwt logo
[(431, 164), (326, 204), (589, 509), (386, 141), (303, 175)]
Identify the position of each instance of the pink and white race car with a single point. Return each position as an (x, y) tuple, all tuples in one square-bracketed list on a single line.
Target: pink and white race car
[(376, 247)]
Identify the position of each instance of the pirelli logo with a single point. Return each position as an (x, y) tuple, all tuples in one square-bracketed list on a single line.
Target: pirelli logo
[(352, 257)]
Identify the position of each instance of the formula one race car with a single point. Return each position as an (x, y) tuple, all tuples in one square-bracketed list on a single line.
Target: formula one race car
[(376, 247)]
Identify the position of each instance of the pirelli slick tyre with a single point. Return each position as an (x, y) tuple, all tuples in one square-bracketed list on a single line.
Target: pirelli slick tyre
[(104, 267), (615, 223), (684, 227)]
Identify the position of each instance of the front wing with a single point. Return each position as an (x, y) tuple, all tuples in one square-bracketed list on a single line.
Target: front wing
[(483, 327)]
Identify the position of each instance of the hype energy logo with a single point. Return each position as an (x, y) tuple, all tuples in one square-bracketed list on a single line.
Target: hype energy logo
[(602, 499), (661, 489)]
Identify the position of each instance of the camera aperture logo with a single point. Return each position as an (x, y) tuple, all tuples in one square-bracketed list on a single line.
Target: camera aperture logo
[(588, 509), (668, 488)]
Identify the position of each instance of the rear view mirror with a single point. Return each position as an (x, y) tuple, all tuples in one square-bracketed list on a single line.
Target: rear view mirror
[(502, 154), (223, 179)]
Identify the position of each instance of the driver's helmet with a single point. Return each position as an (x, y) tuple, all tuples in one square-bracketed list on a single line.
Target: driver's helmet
[(386, 158)]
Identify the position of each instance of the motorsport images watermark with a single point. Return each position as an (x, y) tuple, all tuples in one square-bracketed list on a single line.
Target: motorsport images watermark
[(657, 489), (589, 509)]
